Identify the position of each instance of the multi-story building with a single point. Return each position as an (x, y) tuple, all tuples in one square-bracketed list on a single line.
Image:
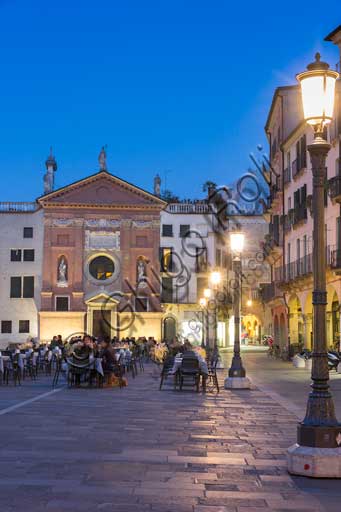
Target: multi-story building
[(104, 257), (21, 249), (288, 245), (193, 244)]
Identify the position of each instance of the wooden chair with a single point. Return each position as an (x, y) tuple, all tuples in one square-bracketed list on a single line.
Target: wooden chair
[(190, 372), (167, 371)]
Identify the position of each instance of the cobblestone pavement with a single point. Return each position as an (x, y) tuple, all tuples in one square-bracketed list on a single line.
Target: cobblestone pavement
[(140, 449)]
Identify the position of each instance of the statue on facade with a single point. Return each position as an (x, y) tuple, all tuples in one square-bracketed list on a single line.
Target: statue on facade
[(141, 273), (102, 159), (62, 271)]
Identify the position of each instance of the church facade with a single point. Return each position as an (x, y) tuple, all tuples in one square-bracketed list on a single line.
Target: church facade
[(83, 258)]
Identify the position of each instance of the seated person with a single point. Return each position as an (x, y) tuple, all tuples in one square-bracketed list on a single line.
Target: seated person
[(108, 356)]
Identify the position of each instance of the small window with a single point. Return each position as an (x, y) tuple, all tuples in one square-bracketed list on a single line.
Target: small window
[(62, 303), (28, 288), (24, 326), (28, 254), (141, 304), (15, 292), (15, 254), (167, 230), (28, 232), (6, 326), (184, 230)]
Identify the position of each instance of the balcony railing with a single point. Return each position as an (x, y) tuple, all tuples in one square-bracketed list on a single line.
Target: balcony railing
[(335, 188), (189, 208), (300, 214), (18, 207), (270, 291)]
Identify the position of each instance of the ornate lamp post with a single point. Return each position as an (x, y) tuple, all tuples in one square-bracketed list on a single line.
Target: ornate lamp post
[(318, 452), (236, 377), (203, 304)]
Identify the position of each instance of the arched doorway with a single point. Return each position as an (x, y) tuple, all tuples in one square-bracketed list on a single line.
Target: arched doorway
[(296, 325), (276, 331), (333, 318), (169, 328)]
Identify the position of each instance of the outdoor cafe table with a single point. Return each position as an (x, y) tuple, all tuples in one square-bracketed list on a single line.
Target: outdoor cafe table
[(95, 363), (202, 365)]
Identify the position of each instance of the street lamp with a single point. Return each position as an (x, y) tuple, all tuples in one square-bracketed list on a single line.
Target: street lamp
[(317, 452), (236, 377), (203, 303), (215, 278)]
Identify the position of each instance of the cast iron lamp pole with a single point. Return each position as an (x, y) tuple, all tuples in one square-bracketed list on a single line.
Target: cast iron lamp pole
[(203, 304), (319, 434), (237, 375), (215, 278)]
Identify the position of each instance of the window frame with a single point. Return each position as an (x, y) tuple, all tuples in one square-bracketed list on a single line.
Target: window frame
[(21, 331), (167, 226), (25, 252), (26, 230), (4, 331), (62, 297), (12, 253)]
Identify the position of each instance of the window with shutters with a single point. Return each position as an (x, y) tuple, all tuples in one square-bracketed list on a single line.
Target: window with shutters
[(28, 287), (6, 326), (28, 254), (167, 230), (24, 326), (15, 291), (184, 230), (15, 254), (303, 152), (28, 233), (201, 259)]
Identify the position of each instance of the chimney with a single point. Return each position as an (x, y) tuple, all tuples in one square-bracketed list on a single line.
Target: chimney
[(335, 37), (157, 186), (51, 167)]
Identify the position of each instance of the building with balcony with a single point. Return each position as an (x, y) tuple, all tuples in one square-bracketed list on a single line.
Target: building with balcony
[(288, 301)]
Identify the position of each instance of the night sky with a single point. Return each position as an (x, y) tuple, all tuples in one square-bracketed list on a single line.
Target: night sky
[(181, 88)]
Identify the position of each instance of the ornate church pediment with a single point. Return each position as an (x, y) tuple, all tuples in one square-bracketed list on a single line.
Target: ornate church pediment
[(102, 190)]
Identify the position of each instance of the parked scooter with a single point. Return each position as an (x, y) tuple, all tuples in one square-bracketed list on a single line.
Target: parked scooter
[(333, 360)]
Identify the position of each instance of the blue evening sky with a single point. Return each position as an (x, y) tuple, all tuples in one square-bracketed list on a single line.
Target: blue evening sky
[(178, 87)]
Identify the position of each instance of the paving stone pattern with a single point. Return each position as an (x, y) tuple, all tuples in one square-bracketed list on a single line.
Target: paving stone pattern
[(140, 449)]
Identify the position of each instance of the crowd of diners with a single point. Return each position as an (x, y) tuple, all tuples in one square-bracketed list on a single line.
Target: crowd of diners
[(86, 347)]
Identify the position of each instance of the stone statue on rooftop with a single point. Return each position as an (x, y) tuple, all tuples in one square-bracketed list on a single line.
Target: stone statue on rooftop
[(102, 159)]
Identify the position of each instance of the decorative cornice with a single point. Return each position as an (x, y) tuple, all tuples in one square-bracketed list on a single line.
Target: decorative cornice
[(103, 176)]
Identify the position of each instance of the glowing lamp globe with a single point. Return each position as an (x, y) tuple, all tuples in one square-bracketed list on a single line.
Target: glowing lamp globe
[(207, 293), (215, 277), (203, 302), (318, 92), (237, 241)]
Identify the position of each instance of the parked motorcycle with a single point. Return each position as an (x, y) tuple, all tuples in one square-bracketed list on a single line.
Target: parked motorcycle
[(334, 358)]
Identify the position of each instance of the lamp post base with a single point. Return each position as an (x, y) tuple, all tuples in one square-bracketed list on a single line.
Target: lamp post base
[(314, 462), (237, 383)]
